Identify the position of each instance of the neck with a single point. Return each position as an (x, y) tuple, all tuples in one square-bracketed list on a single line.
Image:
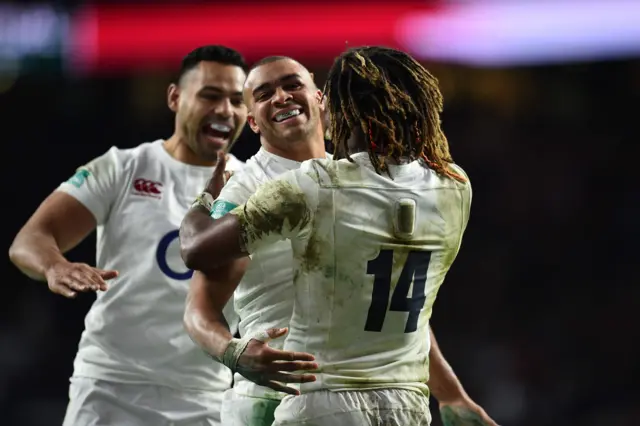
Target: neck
[(301, 151), (178, 148)]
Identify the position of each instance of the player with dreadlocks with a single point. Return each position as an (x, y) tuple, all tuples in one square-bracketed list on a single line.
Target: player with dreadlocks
[(373, 236), (394, 101)]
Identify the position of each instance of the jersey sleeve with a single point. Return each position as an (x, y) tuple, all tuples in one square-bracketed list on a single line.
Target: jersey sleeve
[(236, 192), (280, 209), (96, 184)]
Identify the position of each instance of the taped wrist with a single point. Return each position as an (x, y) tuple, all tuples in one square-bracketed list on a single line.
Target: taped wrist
[(237, 346)]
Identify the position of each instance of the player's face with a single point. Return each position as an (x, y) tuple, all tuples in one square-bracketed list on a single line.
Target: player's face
[(210, 110), (285, 104)]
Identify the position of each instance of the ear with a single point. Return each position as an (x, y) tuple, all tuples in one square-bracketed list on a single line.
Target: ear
[(252, 123), (173, 97), (321, 100)]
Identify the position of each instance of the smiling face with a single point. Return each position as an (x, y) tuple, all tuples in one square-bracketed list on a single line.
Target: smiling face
[(285, 105), (210, 110)]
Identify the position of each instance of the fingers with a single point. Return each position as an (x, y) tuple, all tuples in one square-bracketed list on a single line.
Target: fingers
[(70, 279), (291, 378), (292, 366), (84, 277), (278, 355), (282, 388), (221, 164), (274, 333), (63, 291), (217, 181), (107, 274)]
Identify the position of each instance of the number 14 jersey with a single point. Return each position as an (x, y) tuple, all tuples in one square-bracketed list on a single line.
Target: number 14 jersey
[(370, 253)]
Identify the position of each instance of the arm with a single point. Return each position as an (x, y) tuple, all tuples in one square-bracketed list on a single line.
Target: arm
[(198, 220), (209, 292), (278, 210), (456, 408), (250, 356), (443, 383), (61, 222)]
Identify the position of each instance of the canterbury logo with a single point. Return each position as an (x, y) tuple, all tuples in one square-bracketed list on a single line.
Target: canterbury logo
[(148, 188)]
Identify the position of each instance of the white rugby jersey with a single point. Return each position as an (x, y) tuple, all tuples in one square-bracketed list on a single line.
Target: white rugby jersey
[(264, 297), (369, 255), (134, 331)]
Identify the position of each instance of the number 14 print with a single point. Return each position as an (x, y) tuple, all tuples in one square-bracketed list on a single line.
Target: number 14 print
[(414, 270)]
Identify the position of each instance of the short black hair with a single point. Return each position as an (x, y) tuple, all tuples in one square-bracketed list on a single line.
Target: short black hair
[(270, 59), (211, 53)]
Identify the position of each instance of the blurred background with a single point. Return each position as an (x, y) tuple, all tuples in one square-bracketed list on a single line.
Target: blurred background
[(538, 315)]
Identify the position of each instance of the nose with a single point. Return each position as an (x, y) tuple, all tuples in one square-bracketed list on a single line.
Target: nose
[(281, 96), (224, 108)]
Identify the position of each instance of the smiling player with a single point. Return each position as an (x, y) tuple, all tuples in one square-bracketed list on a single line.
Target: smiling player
[(135, 364)]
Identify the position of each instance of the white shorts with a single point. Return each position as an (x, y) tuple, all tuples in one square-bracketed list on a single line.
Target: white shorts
[(242, 410), (102, 403), (382, 407)]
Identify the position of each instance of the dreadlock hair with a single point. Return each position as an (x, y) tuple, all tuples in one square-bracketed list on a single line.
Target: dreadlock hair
[(396, 103)]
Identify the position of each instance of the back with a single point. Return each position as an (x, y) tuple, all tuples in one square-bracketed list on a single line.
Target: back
[(370, 253)]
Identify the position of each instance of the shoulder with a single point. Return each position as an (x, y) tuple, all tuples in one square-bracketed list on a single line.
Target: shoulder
[(459, 170), (127, 158), (323, 171)]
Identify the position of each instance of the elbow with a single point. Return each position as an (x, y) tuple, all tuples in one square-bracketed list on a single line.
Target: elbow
[(16, 251), (189, 253), (189, 249)]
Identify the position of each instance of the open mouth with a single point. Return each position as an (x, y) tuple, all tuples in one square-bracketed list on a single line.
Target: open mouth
[(287, 115), (217, 131)]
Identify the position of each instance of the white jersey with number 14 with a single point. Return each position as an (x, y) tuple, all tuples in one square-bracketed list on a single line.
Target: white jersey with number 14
[(370, 253)]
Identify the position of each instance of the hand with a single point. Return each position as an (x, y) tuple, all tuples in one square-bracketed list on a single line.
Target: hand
[(67, 279), (464, 412), (220, 176), (270, 367)]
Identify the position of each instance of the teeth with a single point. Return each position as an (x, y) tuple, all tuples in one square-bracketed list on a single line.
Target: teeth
[(288, 114), (220, 127)]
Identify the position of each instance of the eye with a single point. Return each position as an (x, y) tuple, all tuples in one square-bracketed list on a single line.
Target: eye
[(293, 86), (262, 96), (210, 97)]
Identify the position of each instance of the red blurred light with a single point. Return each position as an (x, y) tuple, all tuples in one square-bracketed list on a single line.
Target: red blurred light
[(122, 37)]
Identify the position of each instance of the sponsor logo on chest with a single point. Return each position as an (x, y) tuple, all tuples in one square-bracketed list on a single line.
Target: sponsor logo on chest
[(147, 188)]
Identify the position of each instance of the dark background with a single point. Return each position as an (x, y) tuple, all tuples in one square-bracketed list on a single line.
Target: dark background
[(538, 314)]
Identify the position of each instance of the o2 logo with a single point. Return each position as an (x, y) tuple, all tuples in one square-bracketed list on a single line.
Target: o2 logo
[(169, 249)]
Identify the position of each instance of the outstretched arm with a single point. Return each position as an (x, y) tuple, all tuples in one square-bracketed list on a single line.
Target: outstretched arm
[(62, 221), (456, 407)]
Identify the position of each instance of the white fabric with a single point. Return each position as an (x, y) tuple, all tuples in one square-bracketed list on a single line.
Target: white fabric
[(388, 407), (241, 410), (99, 403), (134, 331), (364, 292), (264, 297)]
